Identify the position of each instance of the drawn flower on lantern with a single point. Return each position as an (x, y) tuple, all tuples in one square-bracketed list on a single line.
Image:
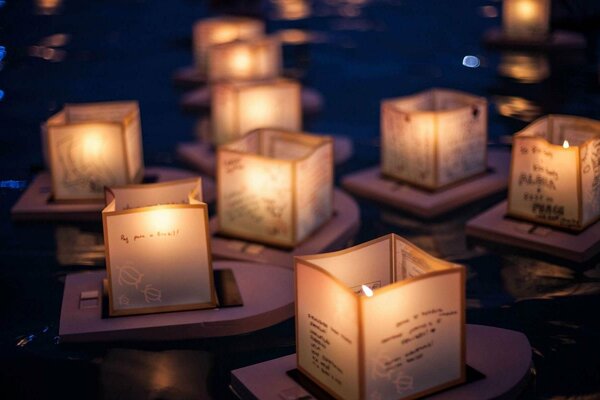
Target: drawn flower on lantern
[(403, 383), (123, 300), (380, 368), (130, 276), (151, 294)]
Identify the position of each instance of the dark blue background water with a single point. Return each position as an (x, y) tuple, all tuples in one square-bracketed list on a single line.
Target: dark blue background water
[(359, 51)]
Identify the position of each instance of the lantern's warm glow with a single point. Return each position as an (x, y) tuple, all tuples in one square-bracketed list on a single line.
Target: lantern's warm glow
[(274, 186), (240, 107), (93, 145), (526, 19), (161, 220), (157, 248), (219, 30), (554, 178), (245, 60), (90, 146), (367, 291), (434, 138), (356, 346)]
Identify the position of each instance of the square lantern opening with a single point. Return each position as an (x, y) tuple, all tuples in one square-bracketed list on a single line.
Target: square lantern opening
[(93, 145), (275, 186), (383, 318), (555, 172), (218, 30), (240, 107), (434, 138), (245, 60), (157, 246), (527, 20)]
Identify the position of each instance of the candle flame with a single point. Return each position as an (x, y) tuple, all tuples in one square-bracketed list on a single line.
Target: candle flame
[(367, 291), (566, 144)]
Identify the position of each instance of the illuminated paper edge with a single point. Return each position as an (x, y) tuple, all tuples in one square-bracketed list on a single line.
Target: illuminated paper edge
[(522, 135), (273, 45), (388, 105), (236, 88), (392, 237), (159, 309), (197, 193), (123, 124), (325, 141)]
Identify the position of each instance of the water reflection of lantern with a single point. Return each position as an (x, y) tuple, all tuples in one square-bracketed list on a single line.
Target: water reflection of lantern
[(434, 138), (275, 186), (376, 319), (245, 60), (239, 107), (524, 67), (555, 174), (218, 30), (526, 19), (91, 146)]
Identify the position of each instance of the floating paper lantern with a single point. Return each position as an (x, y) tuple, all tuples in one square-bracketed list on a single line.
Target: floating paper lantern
[(157, 248), (434, 138), (555, 172), (275, 186), (219, 30), (90, 146), (256, 59), (239, 107), (382, 319), (526, 19)]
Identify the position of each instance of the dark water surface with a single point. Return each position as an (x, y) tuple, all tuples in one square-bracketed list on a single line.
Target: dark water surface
[(356, 52)]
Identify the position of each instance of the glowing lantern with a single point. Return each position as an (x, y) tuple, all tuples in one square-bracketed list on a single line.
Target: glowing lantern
[(434, 138), (382, 319), (239, 107), (275, 186), (218, 30), (91, 146), (526, 19), (555, 172), (245, 60), (157, 248)]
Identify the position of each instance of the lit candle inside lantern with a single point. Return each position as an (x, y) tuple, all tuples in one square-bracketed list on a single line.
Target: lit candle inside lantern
[(91, 146), (213, 31), (239, 107), (346, 342), (245, 60), (367, 291), (274, 186), (157, 248), (554, 167), (526, 19), (434, 138)]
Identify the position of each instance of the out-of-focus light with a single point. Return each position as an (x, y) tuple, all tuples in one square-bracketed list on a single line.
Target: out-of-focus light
[(12, 184), (2, 52), (1, 94), (488, 11), (471, 61), (2, 2)]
